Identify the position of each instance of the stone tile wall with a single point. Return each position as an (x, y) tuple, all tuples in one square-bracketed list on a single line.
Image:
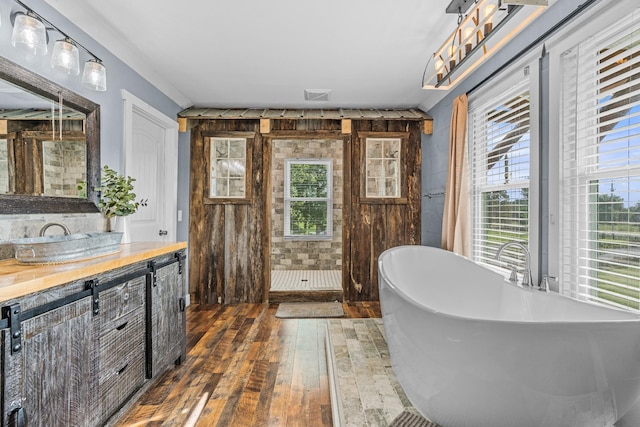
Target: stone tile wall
[(287, 254)]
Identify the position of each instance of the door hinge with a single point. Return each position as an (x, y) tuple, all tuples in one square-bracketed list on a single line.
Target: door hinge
[(183, 304)]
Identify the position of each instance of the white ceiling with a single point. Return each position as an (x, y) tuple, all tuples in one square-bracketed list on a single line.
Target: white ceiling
[(256, 53)]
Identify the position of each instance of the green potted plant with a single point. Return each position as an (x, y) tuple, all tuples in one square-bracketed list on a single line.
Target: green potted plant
[(117, 198)]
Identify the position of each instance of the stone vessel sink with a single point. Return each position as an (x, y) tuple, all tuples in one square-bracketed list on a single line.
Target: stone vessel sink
[(68, 248)]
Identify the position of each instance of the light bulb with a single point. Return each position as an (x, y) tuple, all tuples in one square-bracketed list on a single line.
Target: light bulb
[(439, 66), (488, 12), (452, 56), (467, 37)]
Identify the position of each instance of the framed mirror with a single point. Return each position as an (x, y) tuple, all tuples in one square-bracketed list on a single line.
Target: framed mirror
[(32, 150)]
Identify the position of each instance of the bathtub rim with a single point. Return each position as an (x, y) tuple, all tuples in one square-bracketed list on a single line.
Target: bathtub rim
[(382, 275)]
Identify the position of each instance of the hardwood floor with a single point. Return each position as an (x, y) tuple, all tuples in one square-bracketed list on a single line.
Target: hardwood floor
[(245, 367)]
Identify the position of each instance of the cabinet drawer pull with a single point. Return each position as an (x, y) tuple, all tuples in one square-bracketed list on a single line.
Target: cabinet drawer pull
[(124, 325), (122, 369)]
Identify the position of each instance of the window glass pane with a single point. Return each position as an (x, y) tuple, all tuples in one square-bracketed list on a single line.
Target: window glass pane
[(614, 251), (374, 149), (390, 187), (222, 148), (391, 149), (382, 167), (308, 218), (237, 149), (221, 188), (236, 168), (375, 169), (308, 180)]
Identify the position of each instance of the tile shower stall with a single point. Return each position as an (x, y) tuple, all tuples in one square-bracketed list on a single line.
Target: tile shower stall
[(306, 263)]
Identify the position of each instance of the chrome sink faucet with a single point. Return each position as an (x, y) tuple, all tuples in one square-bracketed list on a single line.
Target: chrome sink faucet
[(527, 280), (51, 224)]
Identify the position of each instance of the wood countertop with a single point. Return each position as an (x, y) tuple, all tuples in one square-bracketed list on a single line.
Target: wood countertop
[(17, 280)]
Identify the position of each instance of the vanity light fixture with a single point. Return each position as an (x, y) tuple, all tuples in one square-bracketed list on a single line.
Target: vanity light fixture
[(30, 33), (469, 45)]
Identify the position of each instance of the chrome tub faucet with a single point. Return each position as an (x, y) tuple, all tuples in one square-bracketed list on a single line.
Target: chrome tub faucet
[(527, 280)]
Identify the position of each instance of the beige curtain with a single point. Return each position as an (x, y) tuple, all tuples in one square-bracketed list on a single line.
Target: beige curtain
[(456, 223)]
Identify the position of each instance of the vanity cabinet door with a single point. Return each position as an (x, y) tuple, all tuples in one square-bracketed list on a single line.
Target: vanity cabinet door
[(122, 344), (167, 320), (53, 377)]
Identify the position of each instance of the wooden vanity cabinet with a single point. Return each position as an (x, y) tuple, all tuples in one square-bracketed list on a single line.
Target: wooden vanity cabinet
[(51, 378), (75, 354)]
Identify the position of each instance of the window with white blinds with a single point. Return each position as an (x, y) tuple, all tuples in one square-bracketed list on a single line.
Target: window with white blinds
[(600, 166), (499, 144), (308, 199)]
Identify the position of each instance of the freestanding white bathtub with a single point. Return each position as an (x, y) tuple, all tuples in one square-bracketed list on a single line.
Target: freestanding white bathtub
[(472, 350)]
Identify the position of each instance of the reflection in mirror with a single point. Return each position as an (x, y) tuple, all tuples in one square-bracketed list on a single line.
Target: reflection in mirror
[(64, 166), (49, 142), (44, 149)]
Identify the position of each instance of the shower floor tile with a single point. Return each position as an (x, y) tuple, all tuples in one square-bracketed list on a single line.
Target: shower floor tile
[(306, 280)]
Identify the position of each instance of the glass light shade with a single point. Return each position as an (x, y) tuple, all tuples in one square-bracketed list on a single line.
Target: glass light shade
[(65, 57), (29, 34), (94, 75)]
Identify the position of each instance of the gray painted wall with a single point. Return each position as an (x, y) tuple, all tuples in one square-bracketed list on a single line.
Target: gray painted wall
[(119, 76)]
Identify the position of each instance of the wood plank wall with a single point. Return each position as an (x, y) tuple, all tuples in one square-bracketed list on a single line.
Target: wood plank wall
[(229, 244)]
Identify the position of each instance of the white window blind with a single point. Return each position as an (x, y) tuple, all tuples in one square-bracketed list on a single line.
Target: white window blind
[(499, 143), (600, 167), (308, 202)]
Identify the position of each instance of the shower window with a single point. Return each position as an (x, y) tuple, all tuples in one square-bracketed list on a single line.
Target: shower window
[(382, 163), (308, 199), (228, 169)]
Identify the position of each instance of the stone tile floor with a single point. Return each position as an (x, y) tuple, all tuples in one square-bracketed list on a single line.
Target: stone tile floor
[(369, 392), (306, 280)]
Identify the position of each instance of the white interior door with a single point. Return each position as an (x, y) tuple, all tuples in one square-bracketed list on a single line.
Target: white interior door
[(151, 157)]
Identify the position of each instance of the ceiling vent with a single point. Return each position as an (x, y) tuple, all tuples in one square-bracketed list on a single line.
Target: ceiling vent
[(317, 94)]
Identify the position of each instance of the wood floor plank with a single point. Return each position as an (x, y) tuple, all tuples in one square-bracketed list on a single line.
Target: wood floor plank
[(255, 369)]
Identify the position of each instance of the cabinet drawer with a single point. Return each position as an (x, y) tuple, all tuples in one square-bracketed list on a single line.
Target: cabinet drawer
[(122, 361), (121, 300)]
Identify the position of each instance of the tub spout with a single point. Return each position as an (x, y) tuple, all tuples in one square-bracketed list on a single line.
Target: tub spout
[(51, 224), (526, 276)]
